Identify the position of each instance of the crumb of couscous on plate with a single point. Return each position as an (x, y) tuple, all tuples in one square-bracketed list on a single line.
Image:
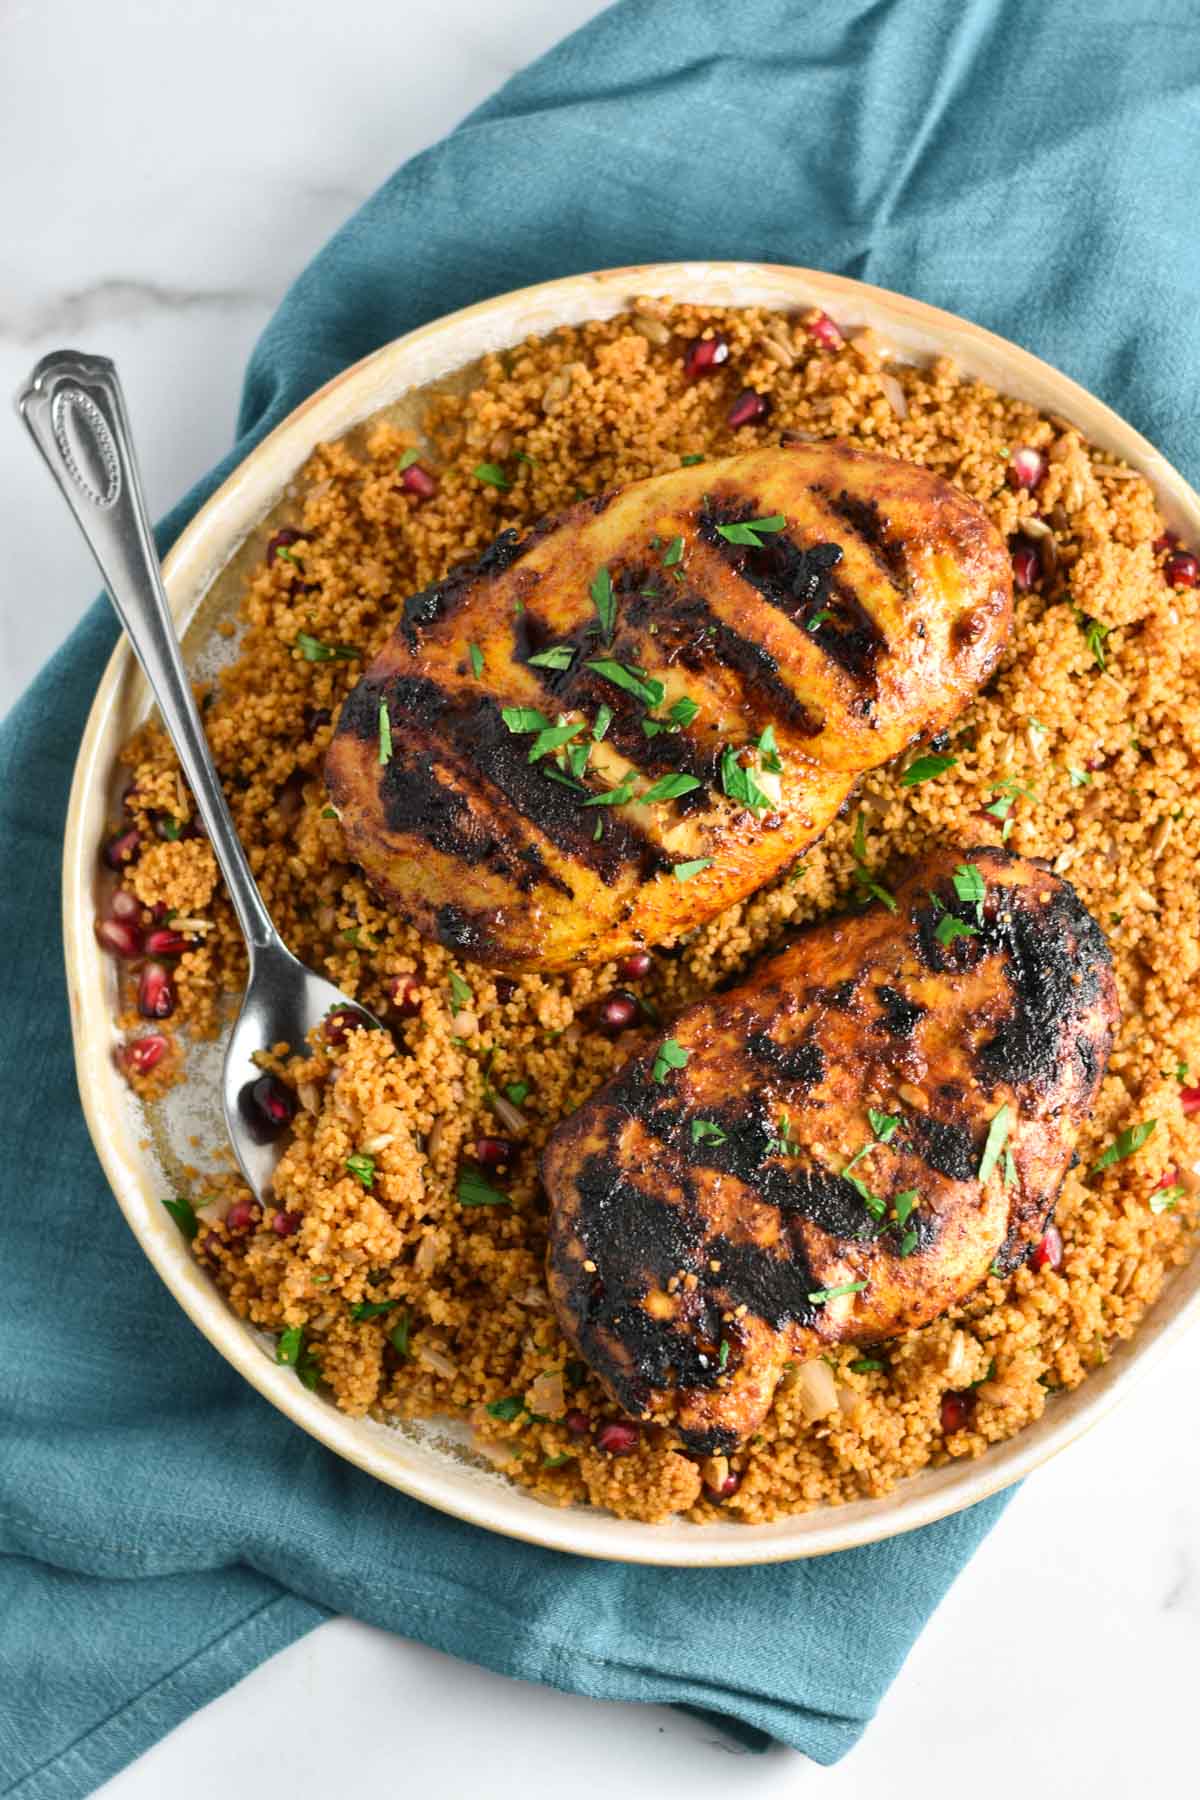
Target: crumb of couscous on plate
[(399, 1262)]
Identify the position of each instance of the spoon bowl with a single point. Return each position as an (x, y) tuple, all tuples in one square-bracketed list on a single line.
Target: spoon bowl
[(75, 412)]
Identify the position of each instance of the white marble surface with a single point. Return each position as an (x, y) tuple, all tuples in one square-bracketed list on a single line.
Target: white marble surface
[(159, 222)]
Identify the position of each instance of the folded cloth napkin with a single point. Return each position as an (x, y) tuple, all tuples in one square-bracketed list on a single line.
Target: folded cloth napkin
[(163, 1528)]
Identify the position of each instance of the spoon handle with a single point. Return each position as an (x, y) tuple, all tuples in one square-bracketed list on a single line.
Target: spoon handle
[(75, 412)]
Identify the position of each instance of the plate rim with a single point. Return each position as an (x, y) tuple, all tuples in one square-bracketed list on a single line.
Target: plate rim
[(206, 544)]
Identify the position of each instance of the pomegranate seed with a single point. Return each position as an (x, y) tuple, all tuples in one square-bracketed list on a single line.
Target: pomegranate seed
[(1168, 541), (156, 992), (730, 1485), (1049, 1252), (956, 1411), (282, 541), (1025, 469), (315, 718), (405, 994), (705, 354), (140, 1055), (505, 989), (493, 1152), (618, 1012), (122, 848), (285, 1224), (1190, 1099), (1182, 569), (162, 941), (242, 1215), (618, 1438), (341, 1022), (747, 407), (418, 481), (119, 936), (825, 332), (1026, 564), (637, 964), (577, 1422), (274, 1104), (126, 907)]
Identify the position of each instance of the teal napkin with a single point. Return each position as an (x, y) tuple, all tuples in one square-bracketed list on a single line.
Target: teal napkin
[(162, 1528)]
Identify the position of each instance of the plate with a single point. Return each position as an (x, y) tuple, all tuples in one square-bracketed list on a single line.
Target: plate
[(141, 1153)]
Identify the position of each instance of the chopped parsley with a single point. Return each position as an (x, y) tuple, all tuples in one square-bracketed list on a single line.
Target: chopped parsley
[(476, 655), (604, 601), (1094, 634), (491, 474), (604, 718), (835, 1293), (682, 713), (362, 1167), (998, 1132), (669, 787), (740, 784), (398, 1335), (293, 1353), (903, 1204), (558, 656), (643, 687), (884, 1125), (170, 827), (618, 796), (768, 752), (687, 462), (473, 1190), (752, 531), (524, 718), (1127, 1144), (556, 1462), (553, 737), (705, 1132), (313, 650), (949, 928), (723, 1358), (670, 1056), (460, 991), (385, 735), (371, 1309), (1079, 777), (1166, 1199), (969, 886), (685, 870), (785, 1144), (869, 888), (925, 768), (815, 624), (517, 1092), (867, 1365), (330, 812), (508, 1409), (673, 553), (184, 1215), (407, 460)]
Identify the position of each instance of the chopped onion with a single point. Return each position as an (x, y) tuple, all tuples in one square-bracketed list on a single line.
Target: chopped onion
[(433, 1359), (510, 1116), (816, 1390), (545, 1395)]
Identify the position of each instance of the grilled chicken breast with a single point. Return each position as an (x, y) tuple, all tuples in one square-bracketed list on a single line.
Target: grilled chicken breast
[(607, 731), (880, 1113)]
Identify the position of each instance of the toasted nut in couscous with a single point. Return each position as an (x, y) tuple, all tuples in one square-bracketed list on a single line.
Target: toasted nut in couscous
[(399, 1261)]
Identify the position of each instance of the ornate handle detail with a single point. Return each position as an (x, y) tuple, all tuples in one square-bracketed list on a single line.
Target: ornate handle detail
[(75, 412)]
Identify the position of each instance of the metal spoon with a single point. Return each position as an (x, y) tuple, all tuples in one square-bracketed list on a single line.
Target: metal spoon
[(75, 412)]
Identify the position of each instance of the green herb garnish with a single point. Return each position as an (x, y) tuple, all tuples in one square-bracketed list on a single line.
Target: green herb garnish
[(524, 718), (673, 553), (398, 1335), (508, 1409), (1094, 634), (705, 1132), (558, 656), (385, 735), (723, 1357), (517, 1092), (289, 1345), (473, 1190), (688, 462), (869, 888), (1166, 1199), (184, 1215), (313, 650), (818, 619), (1129, 1141), (556, 1462), (644, 688), (740, 784), (476, 655), (362, 1167), (670, 1056), (884, 1125), (785, 1144), (969, 886), (998, 1132), (669, 787), (835, 1293), (925, 768), (604, 717), (949, 928), (685, 870), (553, 737), (371, 1309), (407, 460), (491, 474), (867, 1365), (618, 796), (1079, 777), (604, 601), (752, 531)]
